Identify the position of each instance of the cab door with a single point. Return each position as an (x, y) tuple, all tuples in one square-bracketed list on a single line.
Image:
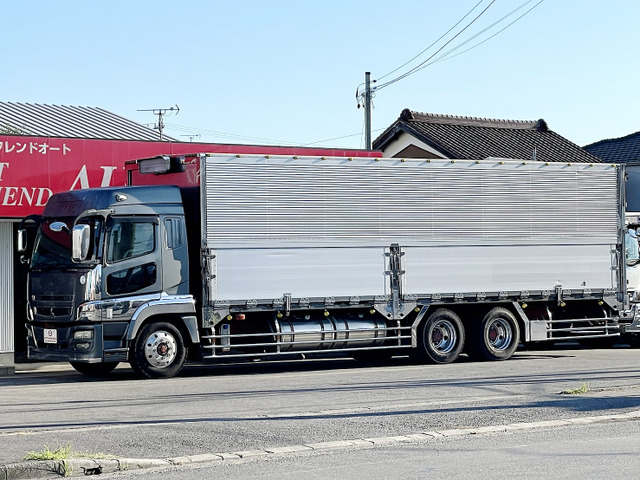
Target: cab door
[(132, 259)]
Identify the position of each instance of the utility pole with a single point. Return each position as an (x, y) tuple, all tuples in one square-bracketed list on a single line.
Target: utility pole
[(161, 112), (191, 137), (367, 110)]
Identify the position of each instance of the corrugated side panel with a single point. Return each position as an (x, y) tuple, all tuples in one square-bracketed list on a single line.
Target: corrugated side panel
[(314, 228), (6, 288), (259, 201)]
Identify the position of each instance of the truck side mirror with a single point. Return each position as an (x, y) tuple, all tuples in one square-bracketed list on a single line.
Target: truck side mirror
[(80, 241), (22, 240)]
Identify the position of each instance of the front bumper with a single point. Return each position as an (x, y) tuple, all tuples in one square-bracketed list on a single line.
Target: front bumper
[(106, 343)]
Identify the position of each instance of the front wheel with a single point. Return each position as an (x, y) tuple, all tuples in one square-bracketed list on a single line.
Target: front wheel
[(495, 337), (159, 351), (440, 337)]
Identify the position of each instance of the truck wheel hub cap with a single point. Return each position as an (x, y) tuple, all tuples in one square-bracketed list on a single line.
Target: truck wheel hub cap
[(500, 335), (443, 337), (160, 349)]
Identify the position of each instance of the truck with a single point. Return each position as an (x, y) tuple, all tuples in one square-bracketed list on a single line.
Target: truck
[(214, 257)]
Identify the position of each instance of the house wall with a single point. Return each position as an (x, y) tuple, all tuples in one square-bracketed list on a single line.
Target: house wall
[(407, 146), (6, 298)]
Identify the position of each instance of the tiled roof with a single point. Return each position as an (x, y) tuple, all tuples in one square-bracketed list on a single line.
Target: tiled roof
[(617, 150), (71, 122), (478, 138)]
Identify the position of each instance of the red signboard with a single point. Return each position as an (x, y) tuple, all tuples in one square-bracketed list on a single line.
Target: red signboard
[(34, 168)]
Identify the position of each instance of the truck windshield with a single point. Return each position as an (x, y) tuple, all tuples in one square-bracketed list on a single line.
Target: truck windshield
[(53, 249)]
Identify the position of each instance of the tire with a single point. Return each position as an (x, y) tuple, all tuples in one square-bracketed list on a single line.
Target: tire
[(94, 369), (495, 337), (159, 351), (440, 338)]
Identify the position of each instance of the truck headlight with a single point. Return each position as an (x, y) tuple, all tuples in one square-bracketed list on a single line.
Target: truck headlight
[(89, 311)]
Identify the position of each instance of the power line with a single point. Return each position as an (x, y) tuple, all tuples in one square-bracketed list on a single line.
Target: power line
[(368, 94), (417, 67), (365, 98), (433, 44), (204, 132), (359, 134), (230, 136), (445, 55), (191, 136)]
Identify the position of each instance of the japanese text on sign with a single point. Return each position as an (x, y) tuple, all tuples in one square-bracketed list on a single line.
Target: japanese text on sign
[(31, 148)]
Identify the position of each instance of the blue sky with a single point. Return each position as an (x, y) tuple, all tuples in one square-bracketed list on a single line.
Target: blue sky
[(286, 72)]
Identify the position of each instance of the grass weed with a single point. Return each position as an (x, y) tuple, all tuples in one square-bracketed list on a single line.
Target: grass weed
[(581, 390), (59, 453)]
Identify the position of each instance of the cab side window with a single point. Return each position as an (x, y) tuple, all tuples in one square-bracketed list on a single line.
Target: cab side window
[(132, 279), (174, 235), (129, 238)]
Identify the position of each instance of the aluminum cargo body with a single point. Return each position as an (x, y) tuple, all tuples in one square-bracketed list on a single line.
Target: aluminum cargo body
[(308, 228)]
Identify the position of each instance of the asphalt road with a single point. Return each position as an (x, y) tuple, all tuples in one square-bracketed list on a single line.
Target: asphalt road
[(603, 451), (230, 408)]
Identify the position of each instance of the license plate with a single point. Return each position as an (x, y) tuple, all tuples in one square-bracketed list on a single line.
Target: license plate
[(50, 335)]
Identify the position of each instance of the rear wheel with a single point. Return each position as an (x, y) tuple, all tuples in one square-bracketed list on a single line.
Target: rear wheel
[(440, 337), (94, 369), (159, 351), (495, 337)]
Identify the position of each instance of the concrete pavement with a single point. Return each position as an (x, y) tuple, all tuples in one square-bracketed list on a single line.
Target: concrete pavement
[(93, 466), (43, 367)]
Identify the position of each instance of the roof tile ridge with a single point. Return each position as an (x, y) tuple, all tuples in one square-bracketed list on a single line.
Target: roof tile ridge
[(471, 121)]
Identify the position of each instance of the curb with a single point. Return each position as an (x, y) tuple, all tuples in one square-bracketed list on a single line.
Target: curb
[(83, 466), (76, 467)]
